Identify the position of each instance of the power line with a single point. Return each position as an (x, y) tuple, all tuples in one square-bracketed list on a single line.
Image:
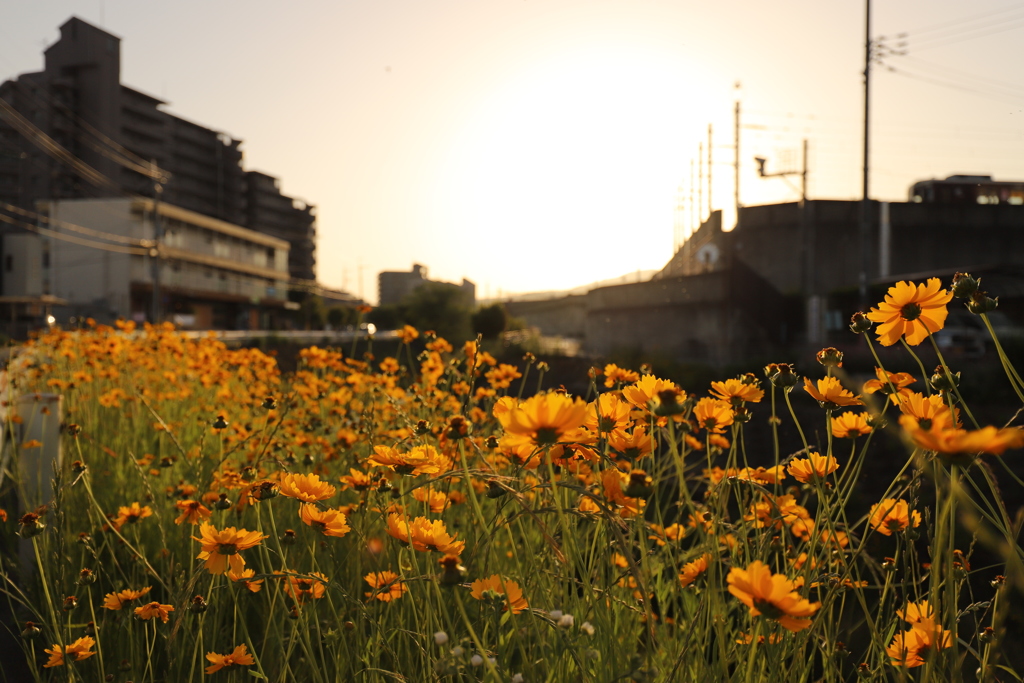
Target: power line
[(76, 228), (135, 251)]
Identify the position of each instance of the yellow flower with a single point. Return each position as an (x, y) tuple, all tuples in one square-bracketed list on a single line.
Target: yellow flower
[(502, 376), (329, 522), (911, 311), (691, 570), (407, 334), (713, 414), (76, 651), (930, 412), (546, 418), (634, 445), (910, 648), (356, 479), (220, 548), (423, 534), (237, 656), (494, 586), (308, 488), (608, 414), (119, 600), (814, 467), (154, 610), (850, 425), (386, 586), (192, 511), (641, 393), (307, 587), (420, 460), (830, 393), (771, 595), (961, 442), (887, 382), (613, 375), (130, 514), (736, 390), (892, 515), (253, 586)]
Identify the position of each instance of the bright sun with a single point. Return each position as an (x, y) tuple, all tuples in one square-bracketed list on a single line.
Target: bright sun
[(577, 162)]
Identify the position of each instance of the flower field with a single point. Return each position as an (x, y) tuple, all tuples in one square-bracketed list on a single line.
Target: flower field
[(441, 515)]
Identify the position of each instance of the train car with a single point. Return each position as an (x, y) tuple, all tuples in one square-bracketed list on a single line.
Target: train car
[(968, 189)]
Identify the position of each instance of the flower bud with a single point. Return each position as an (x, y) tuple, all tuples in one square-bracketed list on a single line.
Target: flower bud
[(639, 485), (223, 503), (78, 467), (981, 303), (782, 375), (30, 631), (941, 382), (265, 490), (859, 323), (220, 423), (198, 605), (269, 403), (440, 638), (86, 577), (288, 537), (830, 357), (495, 490), (453, 573), (964, 285), (31, 525), (70, 603), (987, 634)]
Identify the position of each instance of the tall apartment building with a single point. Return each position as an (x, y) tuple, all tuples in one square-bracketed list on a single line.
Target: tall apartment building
[(79, 102)]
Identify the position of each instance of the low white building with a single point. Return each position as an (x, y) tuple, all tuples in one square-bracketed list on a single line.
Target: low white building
[(213, 274)]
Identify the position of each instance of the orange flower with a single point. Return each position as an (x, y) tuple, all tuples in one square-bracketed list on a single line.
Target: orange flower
[(76, 651), (244, 576), (238, 656), (329, 522), (546, 418), (613, 375), (119, 600), (930, 412), (814, 467), (911, 311), (887, 381), (356, 479), (386, 586), (308, 488), (305, 587), (736, 391), (420, 460), (961, 442), (494, 586), (691, 570), (830, 393), (850, 425), (220, 548), (423, 534), (641, 393), (154, 610), (713, 414), (911, 647), (407, 334), (192, 511), (892, 515), (502, 376), (632, 446), (608, 414), (130, 514), (771, 595)]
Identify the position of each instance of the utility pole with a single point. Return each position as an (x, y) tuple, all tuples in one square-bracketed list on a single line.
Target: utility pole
[(711, 201), (736, 161), (865, 204), (693, 207), (700, 184), (154, 252)]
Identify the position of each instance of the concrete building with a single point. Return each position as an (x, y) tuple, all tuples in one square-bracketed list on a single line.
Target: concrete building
[(395, 285), (74, 131), (213, 274)]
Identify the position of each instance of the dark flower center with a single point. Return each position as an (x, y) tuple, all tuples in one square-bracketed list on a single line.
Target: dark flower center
[(910, 311), (547, 436), (768, 609), (227, 549)]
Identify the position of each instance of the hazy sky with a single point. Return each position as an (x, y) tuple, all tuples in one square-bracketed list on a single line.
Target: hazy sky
[(543, 144)]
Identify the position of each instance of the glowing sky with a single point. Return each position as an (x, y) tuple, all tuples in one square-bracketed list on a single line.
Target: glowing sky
[(541, 144)]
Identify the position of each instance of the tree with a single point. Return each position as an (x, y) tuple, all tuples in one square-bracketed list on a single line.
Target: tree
[(441, 307), (490, 321)]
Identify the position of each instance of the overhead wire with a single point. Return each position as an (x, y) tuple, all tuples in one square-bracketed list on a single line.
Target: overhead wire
[(135, 251), (75, 227)]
